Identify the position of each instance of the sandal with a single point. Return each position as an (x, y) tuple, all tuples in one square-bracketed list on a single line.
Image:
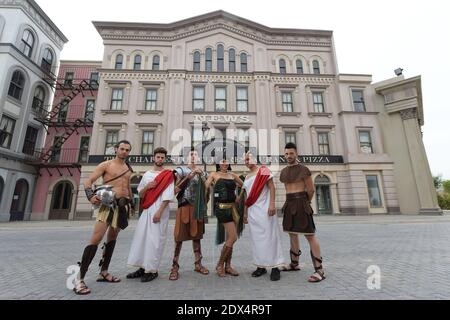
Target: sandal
[(81, 288), (105, 278), (198, 264), (137, 274), (293, 266), (319, 275), (174, 272)]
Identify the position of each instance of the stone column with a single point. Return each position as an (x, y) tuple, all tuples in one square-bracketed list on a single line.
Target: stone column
[(419, 163)]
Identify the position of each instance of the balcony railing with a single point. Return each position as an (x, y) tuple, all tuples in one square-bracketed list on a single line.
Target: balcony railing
[(63, 156)]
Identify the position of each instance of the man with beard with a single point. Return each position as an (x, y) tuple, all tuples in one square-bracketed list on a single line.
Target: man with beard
[(262, 220), (297, 212), (190, 223), (110, 219), (156, 190)]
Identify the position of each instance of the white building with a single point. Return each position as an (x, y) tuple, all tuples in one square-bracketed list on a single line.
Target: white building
[(30, 45), (361, 140)]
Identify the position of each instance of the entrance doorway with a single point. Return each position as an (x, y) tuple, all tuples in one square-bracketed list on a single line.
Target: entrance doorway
[(61, 201), (323, 195), (19, 201)]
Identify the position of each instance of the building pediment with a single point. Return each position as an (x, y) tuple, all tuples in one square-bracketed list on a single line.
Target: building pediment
[(217, 20)]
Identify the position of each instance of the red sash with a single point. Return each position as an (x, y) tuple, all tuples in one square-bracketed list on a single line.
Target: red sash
[(164, 179), (261, 179)]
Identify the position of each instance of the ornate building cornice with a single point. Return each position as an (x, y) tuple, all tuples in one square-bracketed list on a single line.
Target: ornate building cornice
[(210, 22), (39, 17), (114, 75), (143, 35)]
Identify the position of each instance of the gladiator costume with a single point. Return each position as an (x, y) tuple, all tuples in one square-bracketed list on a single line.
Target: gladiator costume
[(115, 216), (226, 211), (297, 211), (190, 218)]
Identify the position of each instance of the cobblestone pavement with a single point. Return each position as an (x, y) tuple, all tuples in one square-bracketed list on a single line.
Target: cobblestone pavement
[(412, 253)]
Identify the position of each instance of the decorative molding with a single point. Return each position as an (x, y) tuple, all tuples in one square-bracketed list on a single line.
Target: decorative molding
[(408, 114), (39, 18), (234, 78), (141, 34)]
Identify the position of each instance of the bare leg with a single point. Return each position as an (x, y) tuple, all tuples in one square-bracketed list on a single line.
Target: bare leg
[(175, 266), (318, 275), (109, 246), (294, 253), (196, 246), (231, 231), (88, 255)]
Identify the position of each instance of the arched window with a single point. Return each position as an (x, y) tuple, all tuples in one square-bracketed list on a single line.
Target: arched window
[(62, 196), (27, 43), (19, 202), (155, 65), (243, 62), (137, 62), (282, 66), (119, 62), (316, 67), (220, 52), (232, 60), (47, 60), (208, 60), (38, 99), (16, 85), (299, 66), (196, 61)]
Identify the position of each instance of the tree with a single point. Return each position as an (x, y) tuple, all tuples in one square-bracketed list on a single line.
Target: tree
[(446, 185), (437, 180)]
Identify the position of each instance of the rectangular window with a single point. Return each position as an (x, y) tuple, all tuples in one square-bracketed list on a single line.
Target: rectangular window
[(147, 142), (30, 141), (243, 138), (231, 60), (324, 145), (286, 99), (243, 62), (365, 142), (374, 191), (6, 131), (198, 101), (112, 137), (93, 80), (358, 101), (318, 102), (290, 137), (150, 100), (221, 99), (63, 107), (116, 99), (89, 110), (56, 153), (242, 99), (208, 60), (198, 136), (68, 79), (84, 150)]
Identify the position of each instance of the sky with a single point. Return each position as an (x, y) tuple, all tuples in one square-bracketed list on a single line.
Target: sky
[(371, 37)]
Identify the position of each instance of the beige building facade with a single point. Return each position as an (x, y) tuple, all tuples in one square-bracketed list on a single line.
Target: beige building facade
[(263, 87)]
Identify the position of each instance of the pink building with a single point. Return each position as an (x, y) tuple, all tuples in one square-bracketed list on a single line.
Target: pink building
[(66, 146)]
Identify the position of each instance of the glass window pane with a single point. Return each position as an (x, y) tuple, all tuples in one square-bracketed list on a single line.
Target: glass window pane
[(374, 191), (221, 93), (242, 93), (199, 93)]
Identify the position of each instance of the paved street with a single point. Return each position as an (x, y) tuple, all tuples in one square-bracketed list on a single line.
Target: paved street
[(412, 252)]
